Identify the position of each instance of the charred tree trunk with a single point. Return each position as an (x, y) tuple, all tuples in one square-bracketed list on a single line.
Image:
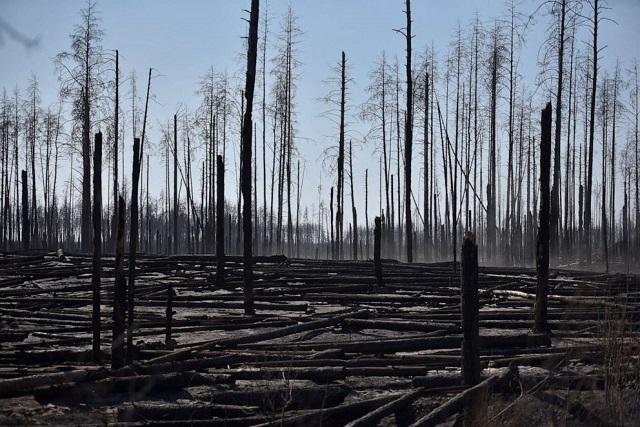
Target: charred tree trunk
[(247, 226), (175, 184), (114, 221), (353, 205), (469, 307), (333, 243), (25, 212), (119, 294), (377, 237), (86, 170), (144, 129), (366, 211), (220, 224), (426, 169), (592, 125), (408, 143), (96, 271), (491, 187), (168, 341), (341, 149), (265, 33), (133, 246), (542, 258), (555, 191)]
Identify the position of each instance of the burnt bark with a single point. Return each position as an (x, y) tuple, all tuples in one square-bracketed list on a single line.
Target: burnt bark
[(377, 236), (114, 221), (555, 191), (220, 223), (592, 125), (542, 252), (469, 307), (133, 246), (175, 184), (408, 143), (341, 153), (25, 212), (247, 226), (96, 271), (168, 342), (119, 294)]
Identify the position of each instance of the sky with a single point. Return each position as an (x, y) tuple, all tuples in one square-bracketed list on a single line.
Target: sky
[(180, 40)]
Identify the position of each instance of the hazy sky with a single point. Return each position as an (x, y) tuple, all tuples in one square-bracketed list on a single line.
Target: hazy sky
[(181, 39)]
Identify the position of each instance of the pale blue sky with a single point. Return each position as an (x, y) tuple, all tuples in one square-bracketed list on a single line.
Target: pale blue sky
[(181, 39)]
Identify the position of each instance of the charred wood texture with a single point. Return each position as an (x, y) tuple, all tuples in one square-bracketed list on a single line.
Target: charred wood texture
[(469, 308), (119, 294), (220, 223), (96, 271), (26, 229), (133, 247), (541, 324), (247, 139), (377, 244), (168, 341)]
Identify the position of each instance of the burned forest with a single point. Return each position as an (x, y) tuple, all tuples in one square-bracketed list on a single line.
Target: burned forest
[(320, 213)]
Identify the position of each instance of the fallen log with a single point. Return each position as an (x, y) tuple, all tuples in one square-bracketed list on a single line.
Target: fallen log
[(401, 325), (393, 345), (317, 374), (224, 360), (137, 386), (386, 371), (226, 305), (438, 379), (50, 356), (278, 395), (547, 361), (262, 336), (175, 412), (25, 385), (460, 401), (590, 302), (12, 336)]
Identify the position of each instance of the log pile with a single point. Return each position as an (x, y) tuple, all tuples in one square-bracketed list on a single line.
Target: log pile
[(328, 345)]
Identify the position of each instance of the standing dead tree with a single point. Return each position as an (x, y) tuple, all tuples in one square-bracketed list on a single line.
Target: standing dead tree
[(470, 316), (377, 242), (84, 84), (340, 195), (175, 184), (408, 143), (96, 271), (116, 130), (32, 128), (353, 205), (119, 294), (220, 223), (133, 246), (595, 20), (542, 259), (247, 129), (555, 191), (25, 212), (337, 97), (263, 49)]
